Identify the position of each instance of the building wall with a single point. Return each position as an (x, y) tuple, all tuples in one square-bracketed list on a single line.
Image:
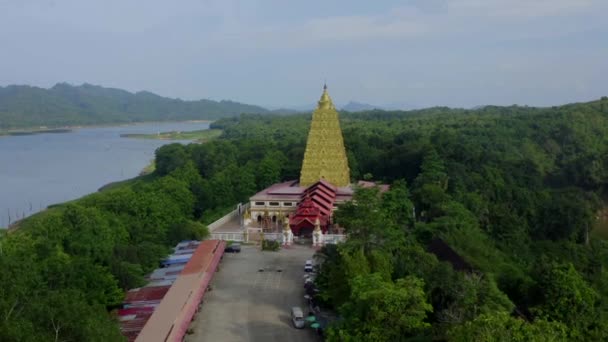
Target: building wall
[(278, 209)]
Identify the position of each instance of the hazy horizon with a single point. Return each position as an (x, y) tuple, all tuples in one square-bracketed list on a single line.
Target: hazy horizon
[(458, 53)]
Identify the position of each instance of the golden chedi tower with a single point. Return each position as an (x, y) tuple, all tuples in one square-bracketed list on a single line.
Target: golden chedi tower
[(325, 156)]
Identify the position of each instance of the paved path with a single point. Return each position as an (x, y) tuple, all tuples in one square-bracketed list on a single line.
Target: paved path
[(248, 305), (231, 226)]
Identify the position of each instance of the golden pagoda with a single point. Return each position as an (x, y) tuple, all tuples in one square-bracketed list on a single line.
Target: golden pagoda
[(325, 156)]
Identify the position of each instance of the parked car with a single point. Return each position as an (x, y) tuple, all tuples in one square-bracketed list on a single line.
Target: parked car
[(308, 266), (233, 248), (297, 317)]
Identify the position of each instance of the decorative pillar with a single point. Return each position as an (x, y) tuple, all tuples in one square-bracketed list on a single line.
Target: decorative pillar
[(287, 234), (247, 217), (317, 234)]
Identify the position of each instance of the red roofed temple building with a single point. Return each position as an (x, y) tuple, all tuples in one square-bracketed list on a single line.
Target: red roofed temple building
[(324, 181)]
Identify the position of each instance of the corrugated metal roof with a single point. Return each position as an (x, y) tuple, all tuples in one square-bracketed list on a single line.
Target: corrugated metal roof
[(160, 282), (187, 244), (177, 259), (165, 273), (140, 303), (175, 312), (146, 294), (133, 320), (186, 247)]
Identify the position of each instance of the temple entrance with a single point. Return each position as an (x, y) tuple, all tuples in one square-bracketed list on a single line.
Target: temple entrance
[(305, 232)]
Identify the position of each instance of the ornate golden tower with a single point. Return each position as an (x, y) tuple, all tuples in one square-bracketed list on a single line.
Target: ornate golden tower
[(325, 156)]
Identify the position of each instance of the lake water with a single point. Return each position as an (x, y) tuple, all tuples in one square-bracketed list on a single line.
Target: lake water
[(43, 169)]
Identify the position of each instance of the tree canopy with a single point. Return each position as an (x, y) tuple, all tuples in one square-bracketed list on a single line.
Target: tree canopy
[(513, 191)]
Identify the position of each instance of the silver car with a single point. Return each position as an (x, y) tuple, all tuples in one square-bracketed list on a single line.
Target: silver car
[(308, 266), (297, 317)]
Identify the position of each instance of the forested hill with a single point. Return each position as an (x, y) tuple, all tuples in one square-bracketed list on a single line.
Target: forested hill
[(64, 104), (513, 191)]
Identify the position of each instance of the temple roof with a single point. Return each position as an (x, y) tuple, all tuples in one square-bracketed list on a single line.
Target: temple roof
[(292, 191), (289, 190)]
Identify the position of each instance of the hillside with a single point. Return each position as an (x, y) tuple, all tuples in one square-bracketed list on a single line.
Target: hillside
[(65, 104), (513, 191)]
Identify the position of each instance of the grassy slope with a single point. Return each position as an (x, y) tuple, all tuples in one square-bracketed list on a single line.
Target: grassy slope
[(200, 136)]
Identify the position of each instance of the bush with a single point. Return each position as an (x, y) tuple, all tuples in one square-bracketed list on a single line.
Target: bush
[(270, 245)]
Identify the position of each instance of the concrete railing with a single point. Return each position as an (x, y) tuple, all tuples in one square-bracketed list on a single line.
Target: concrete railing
[(334, 238), (273, 236), (237, 236), (240, 209)]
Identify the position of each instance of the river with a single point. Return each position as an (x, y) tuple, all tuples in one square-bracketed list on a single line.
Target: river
[(43, 169)]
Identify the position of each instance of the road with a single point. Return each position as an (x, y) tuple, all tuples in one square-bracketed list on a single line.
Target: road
[(248, 305)]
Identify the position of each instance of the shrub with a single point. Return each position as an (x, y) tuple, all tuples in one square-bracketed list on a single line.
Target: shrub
[(270, 245)]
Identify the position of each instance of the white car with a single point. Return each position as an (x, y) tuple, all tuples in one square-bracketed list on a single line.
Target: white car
[(297, 317), (308, 266), (309, 277)]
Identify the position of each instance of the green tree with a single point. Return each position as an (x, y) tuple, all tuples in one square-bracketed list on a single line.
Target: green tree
[(169, 158), (500, 327), (381, 310), (397, 205), (567, 298), (366, 223), (270, 169), (186, 230)]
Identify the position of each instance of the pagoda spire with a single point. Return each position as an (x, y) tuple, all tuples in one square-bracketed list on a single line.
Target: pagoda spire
[(325, 156)]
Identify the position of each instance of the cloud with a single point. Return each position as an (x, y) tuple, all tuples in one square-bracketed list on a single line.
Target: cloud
[(358, 28), (451, 20), (522, 8), (437, 51), (324, 32)]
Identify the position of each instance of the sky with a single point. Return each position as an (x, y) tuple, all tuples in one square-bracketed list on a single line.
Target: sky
[(278, 53)]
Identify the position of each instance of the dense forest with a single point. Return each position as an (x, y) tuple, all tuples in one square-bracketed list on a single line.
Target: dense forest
[(513, 191), (67, 105)]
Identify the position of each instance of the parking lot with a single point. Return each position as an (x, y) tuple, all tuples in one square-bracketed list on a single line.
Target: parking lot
[(248, 305)]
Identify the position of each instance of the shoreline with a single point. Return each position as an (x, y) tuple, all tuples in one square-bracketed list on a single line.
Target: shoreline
[(199, 136), (70, 128), (16, 133)]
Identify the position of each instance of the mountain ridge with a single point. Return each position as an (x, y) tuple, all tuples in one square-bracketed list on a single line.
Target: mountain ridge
[(65, 105)]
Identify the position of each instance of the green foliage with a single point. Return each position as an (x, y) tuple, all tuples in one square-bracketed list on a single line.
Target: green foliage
[(367, 222), (500, 327), (169, 158), (46, 294), (380, 310), (397, 206), (567, 298), (332, 279), (512, 190), (271, 245), (186, 230), (566, 214)]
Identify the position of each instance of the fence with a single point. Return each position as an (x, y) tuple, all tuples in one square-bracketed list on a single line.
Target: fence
[(254, 235), (239, 236), (334, 238), (273, 236)]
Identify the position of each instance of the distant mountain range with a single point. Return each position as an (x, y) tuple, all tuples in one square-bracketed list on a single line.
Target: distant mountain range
[(68, 105), (352, 106)]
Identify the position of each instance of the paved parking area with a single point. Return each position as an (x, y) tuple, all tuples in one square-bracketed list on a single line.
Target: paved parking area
[(248, 305)]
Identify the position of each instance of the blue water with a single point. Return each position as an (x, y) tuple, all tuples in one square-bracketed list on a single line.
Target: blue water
[(43, 169)]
